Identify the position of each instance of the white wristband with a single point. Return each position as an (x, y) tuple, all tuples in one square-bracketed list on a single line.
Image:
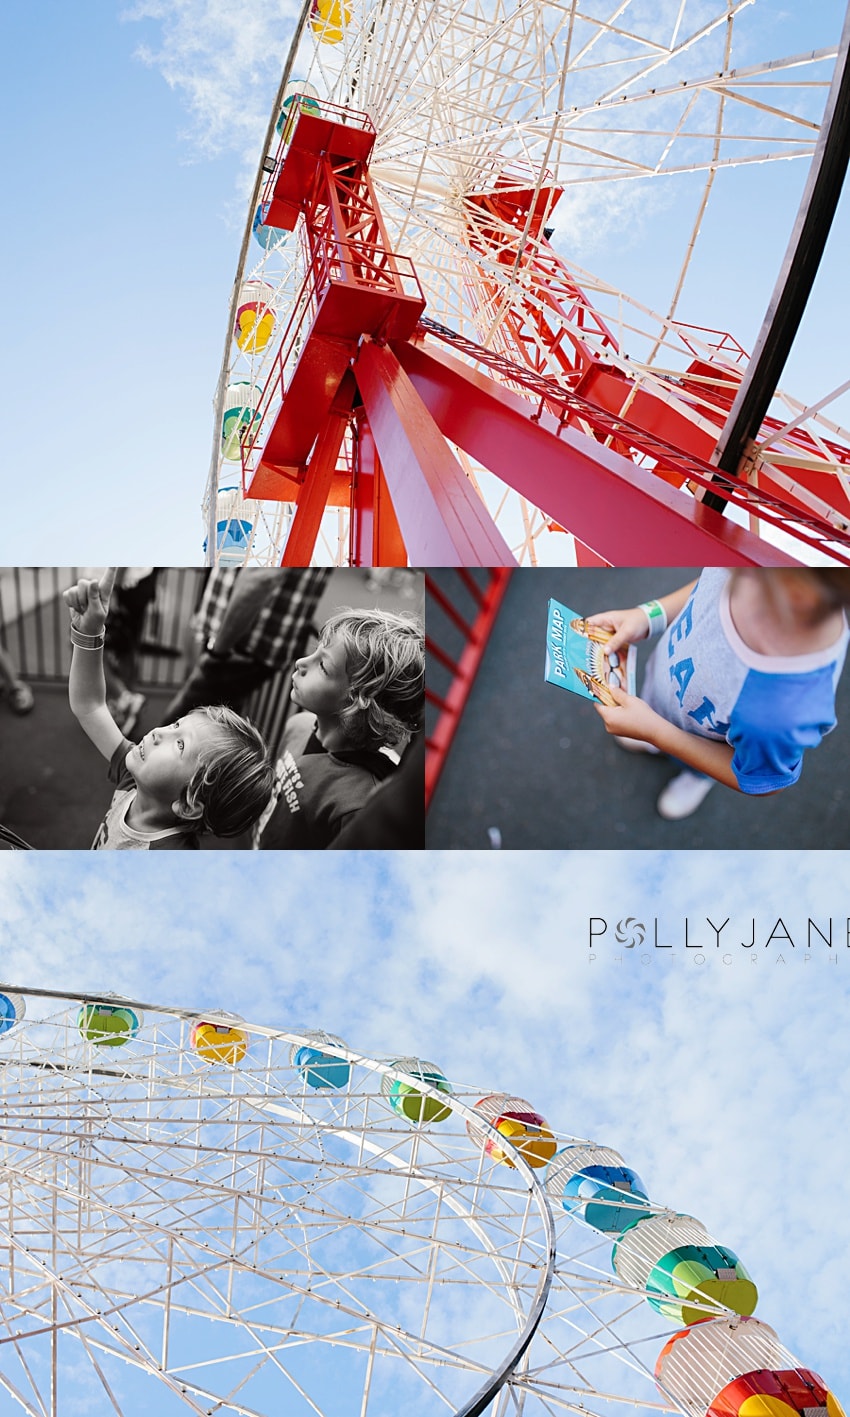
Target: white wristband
[(656, 616)]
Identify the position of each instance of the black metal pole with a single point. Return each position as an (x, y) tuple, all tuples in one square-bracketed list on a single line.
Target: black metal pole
[(796, 276)]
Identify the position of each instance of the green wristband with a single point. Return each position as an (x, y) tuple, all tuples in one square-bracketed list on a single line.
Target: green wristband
[(656, 616)]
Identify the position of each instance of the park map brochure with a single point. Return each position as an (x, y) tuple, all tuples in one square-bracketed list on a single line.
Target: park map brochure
[(576, 659)]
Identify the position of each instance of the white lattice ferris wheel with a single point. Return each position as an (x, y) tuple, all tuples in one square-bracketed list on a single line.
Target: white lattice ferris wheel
[(201, 1214), (501, 124)]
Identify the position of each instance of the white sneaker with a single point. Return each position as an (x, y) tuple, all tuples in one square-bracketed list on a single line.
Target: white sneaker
[(683, 794), (636, 745)]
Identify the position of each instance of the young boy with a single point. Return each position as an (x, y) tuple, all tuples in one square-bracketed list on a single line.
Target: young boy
[(362, 690), (742, 682), (207, 772)]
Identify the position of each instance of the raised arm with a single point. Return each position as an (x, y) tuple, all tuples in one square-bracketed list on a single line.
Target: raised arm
[(88, 603)]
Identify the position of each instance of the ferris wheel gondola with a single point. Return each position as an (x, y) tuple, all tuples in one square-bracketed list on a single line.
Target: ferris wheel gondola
[(481, 135), (205, 1214)]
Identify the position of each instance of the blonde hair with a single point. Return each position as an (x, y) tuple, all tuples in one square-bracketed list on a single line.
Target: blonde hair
[(233, 781), (385, 664)]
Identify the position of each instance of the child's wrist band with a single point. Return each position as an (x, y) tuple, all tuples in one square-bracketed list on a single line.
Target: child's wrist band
[(656, 616), (81, 641)]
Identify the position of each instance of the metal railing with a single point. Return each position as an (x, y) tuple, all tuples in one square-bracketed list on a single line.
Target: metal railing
[(330, 112), (34, 623), (253, 438), (460, 610), (649, 449), (347, 261)]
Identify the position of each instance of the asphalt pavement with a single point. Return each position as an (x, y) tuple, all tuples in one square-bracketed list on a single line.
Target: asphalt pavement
[(532, 767)]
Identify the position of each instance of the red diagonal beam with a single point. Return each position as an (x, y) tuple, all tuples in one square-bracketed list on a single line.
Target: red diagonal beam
[(375, 535), (442, 519), (640, 444), (524, 328), (623, 512), (314, 494)]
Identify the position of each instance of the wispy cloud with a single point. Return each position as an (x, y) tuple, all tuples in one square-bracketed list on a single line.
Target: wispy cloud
[(224, 57), (719, 1082)]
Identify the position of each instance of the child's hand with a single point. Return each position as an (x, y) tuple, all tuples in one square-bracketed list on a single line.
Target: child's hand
[(629, 626), (88, 602), (629, 716)]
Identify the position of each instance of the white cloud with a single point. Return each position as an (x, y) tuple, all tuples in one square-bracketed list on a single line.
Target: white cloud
[(225, 58), (721, 1083)]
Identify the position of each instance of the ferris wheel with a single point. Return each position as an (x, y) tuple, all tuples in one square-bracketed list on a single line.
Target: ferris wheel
[(415, 366), (207, 1215)]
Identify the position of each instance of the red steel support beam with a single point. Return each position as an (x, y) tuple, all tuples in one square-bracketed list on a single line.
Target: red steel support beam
[(441, 517), (314, 492), (621, 511), (362, 521), (376, 538), (512, 239), (388, 548)]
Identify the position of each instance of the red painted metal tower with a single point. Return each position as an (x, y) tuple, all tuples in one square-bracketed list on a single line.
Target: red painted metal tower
[(550, 406)]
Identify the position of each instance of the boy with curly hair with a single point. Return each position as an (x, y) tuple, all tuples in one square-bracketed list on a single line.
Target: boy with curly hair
[(360, 693), (208, 771)]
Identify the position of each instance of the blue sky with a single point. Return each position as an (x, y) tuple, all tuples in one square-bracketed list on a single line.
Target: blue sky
[(123, 230), (132, 133), (718, 1074)]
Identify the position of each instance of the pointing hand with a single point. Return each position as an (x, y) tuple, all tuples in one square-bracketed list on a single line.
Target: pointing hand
[(88, 602)]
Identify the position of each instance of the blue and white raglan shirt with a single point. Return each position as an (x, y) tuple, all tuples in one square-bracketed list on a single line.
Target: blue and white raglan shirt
[(770, 708)]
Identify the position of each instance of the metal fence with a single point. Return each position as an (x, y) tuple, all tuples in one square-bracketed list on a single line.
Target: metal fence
[(461, 609), (34, 629), (34, 623)]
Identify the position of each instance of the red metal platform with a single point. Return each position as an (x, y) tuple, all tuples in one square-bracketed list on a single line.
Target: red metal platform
[(336, 133)]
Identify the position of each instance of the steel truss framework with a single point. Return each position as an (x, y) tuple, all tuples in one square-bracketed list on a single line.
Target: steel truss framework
[(460, 138), (224, 1236)]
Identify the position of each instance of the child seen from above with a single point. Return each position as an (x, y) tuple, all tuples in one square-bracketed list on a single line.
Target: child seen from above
[(742, 682)]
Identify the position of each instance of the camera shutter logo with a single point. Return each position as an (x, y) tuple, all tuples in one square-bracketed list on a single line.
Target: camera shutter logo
[(630, 932)]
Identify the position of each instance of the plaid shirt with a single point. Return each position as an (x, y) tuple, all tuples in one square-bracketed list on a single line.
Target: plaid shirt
[(281, 631)]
